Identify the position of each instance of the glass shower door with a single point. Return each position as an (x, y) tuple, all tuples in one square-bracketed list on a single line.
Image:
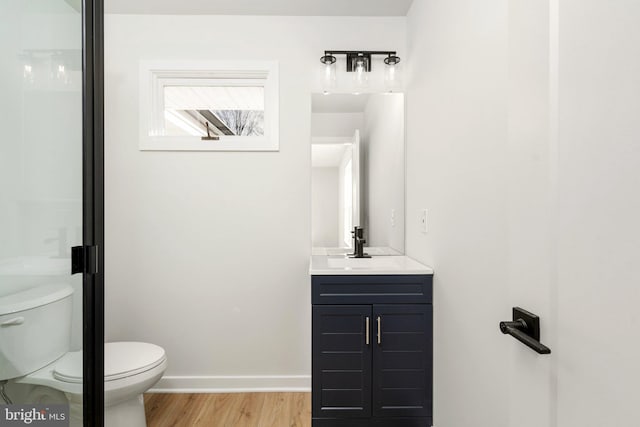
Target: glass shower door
[(42, 207)]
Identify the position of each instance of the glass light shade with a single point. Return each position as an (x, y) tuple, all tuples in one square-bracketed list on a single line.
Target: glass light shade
[(27, 73), (392, 77), (61, 72), (360, 75), (328, 77)]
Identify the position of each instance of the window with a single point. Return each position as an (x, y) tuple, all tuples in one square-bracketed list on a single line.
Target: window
[(209, 106)]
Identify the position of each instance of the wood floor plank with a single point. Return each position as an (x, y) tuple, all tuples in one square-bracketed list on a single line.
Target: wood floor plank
[(247, 413), (228, 410), (276, 410), (300, 410), (168, 413), (193, 406), (154, 404)]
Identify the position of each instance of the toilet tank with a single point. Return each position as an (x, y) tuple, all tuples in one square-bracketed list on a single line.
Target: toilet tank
[(35, 328)]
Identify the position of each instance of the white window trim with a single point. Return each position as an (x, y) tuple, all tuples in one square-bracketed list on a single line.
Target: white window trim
[(154, 75)]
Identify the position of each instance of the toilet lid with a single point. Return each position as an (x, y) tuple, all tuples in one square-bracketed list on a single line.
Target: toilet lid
[(121, 360)]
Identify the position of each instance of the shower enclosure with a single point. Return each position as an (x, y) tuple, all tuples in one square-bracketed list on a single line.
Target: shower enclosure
[(51, 181)]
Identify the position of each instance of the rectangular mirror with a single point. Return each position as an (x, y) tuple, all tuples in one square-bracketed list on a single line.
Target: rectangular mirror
[(357, 172)]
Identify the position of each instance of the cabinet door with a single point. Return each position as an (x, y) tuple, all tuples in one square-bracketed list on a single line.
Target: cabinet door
[(341, 380), (402, 360)]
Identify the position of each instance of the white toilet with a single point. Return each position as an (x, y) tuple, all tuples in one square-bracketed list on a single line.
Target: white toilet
[(35, 329)]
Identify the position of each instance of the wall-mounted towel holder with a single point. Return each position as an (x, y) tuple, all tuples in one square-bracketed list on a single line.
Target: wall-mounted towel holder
[(525, 327)]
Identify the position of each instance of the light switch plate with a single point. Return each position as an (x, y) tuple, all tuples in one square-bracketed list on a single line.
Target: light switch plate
[(424, 221)]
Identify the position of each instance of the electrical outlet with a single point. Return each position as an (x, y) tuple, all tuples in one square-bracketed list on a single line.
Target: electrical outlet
[(424, 221), (393, 217)]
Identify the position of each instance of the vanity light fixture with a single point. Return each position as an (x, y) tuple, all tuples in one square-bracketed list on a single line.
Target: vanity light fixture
[(359, 63)]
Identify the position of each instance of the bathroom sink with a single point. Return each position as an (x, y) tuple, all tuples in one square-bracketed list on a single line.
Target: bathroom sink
[(339, 265)]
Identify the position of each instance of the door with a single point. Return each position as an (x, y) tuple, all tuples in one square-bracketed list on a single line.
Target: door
[(598, 241), (530, 171), (341, 352), (573, 207), (51, 177), (402, 360)]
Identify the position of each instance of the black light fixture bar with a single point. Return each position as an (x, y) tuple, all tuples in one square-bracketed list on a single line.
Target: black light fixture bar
[(354, 55), (364, 52)]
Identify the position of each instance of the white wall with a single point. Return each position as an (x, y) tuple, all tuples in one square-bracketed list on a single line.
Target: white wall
[(384, 170), (336, 124), (324, 207), (207, 253)]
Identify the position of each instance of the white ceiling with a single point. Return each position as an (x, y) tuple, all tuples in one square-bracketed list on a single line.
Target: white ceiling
[(339, 103), (261, 7)]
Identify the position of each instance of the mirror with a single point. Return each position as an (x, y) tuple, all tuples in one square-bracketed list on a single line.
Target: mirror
[(357, 172)]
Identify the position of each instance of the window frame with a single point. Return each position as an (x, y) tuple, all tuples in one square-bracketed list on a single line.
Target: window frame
[(156, 75)]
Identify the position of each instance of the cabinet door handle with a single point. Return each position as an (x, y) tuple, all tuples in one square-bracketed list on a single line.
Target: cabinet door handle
[(379, 330), (367, 330)]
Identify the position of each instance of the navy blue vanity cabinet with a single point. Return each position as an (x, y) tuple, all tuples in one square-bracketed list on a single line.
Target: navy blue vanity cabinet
[(372, 351)]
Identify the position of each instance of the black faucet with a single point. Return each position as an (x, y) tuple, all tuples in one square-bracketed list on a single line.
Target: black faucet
[(358, 244)]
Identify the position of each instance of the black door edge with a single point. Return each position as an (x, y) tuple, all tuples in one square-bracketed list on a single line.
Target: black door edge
[(93, 209)]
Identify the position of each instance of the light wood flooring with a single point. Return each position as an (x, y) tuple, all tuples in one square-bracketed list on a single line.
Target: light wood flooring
[(229, 410)]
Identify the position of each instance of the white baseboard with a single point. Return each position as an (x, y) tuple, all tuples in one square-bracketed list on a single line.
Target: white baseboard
[(233, 384)]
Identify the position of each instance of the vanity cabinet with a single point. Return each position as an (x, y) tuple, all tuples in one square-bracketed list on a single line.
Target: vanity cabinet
[(372, 350)]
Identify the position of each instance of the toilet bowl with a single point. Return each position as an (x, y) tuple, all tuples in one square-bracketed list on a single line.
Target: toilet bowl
[(131, 368), (35, 325)]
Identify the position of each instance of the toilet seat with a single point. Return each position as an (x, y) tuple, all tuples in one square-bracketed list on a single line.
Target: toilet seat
[(121, 360), (127, 365)]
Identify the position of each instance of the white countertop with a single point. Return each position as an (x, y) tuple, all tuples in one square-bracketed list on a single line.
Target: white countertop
[(322, 265)]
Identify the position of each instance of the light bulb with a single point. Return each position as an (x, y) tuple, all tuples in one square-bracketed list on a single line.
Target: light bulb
[(361, 76)]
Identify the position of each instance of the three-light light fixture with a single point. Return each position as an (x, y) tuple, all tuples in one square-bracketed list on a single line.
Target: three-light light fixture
[(360, 64)]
